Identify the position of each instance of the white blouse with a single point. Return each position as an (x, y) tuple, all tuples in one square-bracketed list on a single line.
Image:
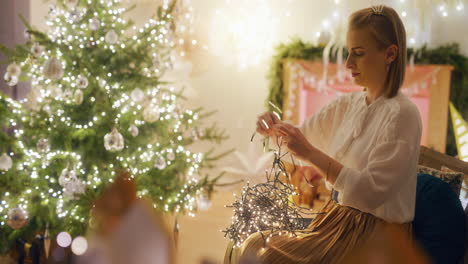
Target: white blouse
[(378, 144)]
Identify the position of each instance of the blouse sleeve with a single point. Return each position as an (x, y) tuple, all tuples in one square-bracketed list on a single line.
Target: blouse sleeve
[(391, 163), (319, 128)]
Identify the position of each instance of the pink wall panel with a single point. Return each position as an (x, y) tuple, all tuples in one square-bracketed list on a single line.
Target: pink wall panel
[(311, 99)]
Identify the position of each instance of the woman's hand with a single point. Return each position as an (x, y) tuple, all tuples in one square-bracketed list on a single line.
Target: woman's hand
[(265, 122), (299, 146), (293, 138)]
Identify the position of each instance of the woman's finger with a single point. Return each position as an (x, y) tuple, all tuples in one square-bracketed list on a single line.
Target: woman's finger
[(260, 128), (267, 120), (280, 139), (276, 117), (289, 128), (265, 124), (279, 128)]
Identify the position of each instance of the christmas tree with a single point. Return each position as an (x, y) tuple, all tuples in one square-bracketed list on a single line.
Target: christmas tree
[(98, 103)]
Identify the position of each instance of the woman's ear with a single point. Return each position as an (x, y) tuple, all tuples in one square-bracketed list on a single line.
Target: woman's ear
[(391, 53)]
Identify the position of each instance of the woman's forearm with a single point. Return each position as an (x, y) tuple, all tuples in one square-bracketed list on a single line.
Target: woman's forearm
[(328, 167)]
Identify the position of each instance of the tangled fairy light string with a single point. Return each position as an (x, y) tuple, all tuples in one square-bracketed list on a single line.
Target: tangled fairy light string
[(267, 207)]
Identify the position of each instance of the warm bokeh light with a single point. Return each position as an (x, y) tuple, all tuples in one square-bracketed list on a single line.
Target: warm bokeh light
[(79, 245), (241, 34), (64, 239)]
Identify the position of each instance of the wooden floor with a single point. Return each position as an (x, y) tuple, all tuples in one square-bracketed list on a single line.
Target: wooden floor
[(200, 237)]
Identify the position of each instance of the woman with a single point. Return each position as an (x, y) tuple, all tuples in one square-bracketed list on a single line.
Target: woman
[(365, 145)]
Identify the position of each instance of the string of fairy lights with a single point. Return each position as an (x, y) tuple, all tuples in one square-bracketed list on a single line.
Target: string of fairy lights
[(416, 15), (267, 207), (13, 122)]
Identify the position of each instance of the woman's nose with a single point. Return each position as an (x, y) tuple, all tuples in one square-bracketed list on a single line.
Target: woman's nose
[(349, 63)]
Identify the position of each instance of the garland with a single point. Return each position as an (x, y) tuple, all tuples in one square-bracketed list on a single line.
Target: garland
[(267, 207), (447, 54)]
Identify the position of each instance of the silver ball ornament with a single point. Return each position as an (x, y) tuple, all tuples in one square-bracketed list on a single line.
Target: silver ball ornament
[(43, 145), (5, 162), (111, 37), (10, 80), (17, 218), (160, 163)]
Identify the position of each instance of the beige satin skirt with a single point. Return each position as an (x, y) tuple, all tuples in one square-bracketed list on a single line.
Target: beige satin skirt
[(332, 237)]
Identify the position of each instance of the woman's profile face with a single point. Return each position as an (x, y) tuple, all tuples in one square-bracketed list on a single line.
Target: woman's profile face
[(365, 61)]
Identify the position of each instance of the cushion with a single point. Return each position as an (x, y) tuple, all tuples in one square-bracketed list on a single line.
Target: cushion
[(439, 222), (454, 179)]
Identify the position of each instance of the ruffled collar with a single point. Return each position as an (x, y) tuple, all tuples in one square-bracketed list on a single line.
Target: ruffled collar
[(376, 102), (361, 115)]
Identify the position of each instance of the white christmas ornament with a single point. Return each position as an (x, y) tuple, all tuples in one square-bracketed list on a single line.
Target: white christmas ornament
[(78, 97), (75, 186), (43, 145), (5, 162), (133, 130), (32, 99), (10, 80), (55, 91), (36, 50), (171, 155), (14, 70), (82, 82), (137, 95), (111, 37), (151, 113), (160, 163), (71, 184), (114, 141), (203, 203), (53, 69), (94, 24), (66, 176)]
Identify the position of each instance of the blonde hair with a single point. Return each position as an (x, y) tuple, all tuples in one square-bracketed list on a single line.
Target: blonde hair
[(387, 29)]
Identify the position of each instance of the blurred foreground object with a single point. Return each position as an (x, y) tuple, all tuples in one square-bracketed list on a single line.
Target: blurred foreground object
[(128, 230), (390, 245)]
